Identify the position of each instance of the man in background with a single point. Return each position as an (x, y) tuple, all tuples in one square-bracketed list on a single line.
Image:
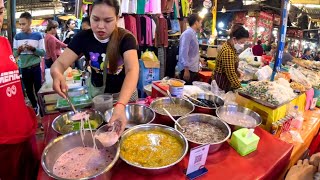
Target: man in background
[(29, 47), (189, 57), (286, 57)]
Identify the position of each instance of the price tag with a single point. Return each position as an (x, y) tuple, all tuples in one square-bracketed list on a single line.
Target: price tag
[(197, 159)]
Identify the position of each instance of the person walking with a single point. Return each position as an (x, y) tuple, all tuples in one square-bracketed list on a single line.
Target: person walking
[(29, 47)]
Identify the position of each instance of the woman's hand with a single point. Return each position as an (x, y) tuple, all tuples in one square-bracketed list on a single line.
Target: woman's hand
[(59, 84), (119, 119)]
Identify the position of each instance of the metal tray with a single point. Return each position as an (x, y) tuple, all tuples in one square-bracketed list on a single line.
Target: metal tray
[(264, 103), (81, 101)]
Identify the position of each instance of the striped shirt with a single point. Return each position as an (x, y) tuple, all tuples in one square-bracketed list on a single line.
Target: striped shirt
[(226, 63), (29, 58)]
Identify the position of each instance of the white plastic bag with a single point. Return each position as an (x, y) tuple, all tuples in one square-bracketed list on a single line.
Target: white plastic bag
[(264, 73)]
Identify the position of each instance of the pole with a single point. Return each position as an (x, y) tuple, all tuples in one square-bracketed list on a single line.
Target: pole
[(281, 38), (11, 20)]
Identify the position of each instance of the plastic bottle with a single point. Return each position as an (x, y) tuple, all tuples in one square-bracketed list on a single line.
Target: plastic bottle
[(294, 112)]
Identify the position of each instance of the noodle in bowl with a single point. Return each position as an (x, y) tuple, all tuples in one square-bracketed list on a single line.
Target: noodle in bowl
[(71, 141)]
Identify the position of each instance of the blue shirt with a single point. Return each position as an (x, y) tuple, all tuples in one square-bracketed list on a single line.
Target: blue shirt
[(189, 51)]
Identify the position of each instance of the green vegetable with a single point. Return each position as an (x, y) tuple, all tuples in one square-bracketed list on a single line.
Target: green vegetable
[(93, 123)]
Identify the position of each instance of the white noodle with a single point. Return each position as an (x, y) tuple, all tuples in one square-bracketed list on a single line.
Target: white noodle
[(85, 119)]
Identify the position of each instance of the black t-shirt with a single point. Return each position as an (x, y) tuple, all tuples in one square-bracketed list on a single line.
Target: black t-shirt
[(95, 51)]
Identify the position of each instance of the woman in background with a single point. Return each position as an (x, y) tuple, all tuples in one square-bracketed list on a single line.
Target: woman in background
[(69, 33), (226, 72), (52, 44)]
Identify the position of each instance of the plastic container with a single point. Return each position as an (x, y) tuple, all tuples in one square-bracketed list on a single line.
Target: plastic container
[(176, 87), (103, 102)]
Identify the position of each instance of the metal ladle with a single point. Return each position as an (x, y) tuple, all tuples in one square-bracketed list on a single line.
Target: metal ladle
[(169, 94), (70, 103), (183, 129)]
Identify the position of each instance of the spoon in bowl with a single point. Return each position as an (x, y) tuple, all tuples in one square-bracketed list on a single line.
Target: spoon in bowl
[(169, 94), (183, 129)]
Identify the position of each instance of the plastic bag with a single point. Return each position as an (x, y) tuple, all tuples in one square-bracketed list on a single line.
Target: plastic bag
[(264, 73), (297, 76), (246, 54), (149, 56), (230, 98), (202, 85)]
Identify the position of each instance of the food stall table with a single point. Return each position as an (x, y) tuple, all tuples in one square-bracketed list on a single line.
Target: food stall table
[(268, 162)]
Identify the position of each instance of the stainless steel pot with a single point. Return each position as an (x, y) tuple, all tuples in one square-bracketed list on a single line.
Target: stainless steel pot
[(162, 118), (166, 129), (210, 97), (197, 117), (63, 123), (68, 141), (236, 108), (136, 114)]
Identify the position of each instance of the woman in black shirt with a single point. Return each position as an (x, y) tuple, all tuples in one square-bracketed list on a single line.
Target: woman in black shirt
[(110, 49)]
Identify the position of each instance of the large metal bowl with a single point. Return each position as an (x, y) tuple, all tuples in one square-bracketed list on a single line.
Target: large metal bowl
[(136, 114), (58, 124), (159, 127), (162, 118), (236, 108), (197, 117), (69, 141), (210, 97)]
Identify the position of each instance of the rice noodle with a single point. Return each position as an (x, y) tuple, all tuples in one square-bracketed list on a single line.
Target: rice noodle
[(84, 118)]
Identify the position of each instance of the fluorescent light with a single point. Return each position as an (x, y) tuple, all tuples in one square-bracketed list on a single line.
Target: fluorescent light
[(221, 25)]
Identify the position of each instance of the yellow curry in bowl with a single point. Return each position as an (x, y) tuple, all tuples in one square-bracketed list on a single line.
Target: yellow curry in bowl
[(151, 149)]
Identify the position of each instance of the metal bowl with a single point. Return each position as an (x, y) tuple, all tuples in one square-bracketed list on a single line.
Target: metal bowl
[(197, 117), (236, 108), (60, 123), (162, 118), (136, 114), (210, 97), (68, 141), (159, 127)]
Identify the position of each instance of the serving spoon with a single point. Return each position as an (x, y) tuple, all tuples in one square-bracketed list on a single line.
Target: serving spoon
[(183, 129)]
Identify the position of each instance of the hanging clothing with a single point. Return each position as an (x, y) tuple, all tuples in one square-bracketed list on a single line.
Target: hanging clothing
[(148, 31), (138, 25), (131, 24), (176, 8), (129, 6), (185, 5), (141, 6), (148, 7), (121, 23), (156, 6)]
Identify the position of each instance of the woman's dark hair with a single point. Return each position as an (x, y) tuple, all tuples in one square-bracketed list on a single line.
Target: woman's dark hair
[(68, 23), (306, 50), (51, 24), (86, 20), (238, 31), (193, 18), (259, 42), (113, 51)]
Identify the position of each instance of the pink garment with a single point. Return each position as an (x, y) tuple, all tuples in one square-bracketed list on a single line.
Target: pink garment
[(148, 31), (53, 47), (148, 7)]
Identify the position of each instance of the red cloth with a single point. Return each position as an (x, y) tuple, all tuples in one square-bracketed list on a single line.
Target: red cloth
[(18, 122), (267, 162), (131, 24), (53, 47), (257, 50)]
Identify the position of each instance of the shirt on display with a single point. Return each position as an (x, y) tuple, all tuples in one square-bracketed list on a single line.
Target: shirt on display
[(85, 43)]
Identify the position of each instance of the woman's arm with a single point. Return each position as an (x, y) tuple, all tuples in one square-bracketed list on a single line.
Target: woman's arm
[(57, 69), (129, 85), (230, 69), (63, 45)]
